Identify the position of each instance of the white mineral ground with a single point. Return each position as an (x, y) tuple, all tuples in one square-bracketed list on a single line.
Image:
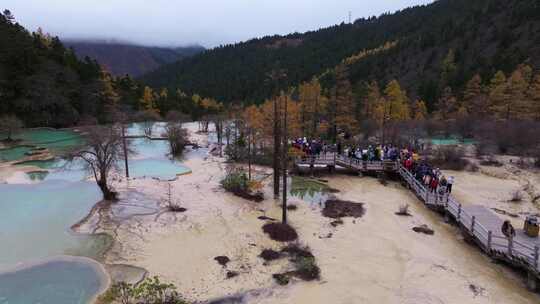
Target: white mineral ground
[(374, 259)]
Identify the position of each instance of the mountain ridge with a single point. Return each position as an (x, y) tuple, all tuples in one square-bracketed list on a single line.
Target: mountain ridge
[(485, 36), (121, 58)]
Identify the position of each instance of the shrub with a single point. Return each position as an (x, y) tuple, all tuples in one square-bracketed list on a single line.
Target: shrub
[(235, 181), (281, 278), (177, 136), (280, 232), (449, 157), (150, 291), (296, 251), (307, 269)]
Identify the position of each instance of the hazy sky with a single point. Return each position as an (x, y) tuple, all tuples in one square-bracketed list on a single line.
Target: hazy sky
[(180, 22)]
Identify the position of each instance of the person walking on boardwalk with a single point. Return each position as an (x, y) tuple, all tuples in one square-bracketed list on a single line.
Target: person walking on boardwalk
[(434, 184), (450, 182), (508, 230)]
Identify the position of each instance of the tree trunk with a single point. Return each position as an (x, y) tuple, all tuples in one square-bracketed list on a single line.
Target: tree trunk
[(107, 193), (284, 169), (249, 153), (125, 150), (277, 140)]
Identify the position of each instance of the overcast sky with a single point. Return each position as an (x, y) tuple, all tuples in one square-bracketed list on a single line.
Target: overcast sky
[(182, 22)]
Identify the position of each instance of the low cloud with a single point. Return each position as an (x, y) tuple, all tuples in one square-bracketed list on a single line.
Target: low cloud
[(184, 22)]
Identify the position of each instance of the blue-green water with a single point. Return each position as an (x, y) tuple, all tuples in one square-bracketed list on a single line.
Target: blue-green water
[(36, 221), (56, 141), (55, 282), (308, 190), (13, 153), (451, 141), (156, 168)]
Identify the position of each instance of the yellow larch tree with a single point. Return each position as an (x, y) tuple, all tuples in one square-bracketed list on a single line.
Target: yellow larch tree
[(341, 107), (396, 103), (474, 98), (498, 96), (534, 97), (447, 105), (419, 110), (148, 100), (312, 104)]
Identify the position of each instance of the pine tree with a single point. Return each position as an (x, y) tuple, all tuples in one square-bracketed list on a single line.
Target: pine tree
[(448, 68)]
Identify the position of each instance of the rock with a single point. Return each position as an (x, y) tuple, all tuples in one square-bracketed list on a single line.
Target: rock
[(222, 260), (232, 274), (423, 229)]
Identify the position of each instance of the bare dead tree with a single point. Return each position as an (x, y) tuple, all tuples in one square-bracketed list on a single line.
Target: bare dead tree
[(218, 120), (102, 152), (274, 77), (177, 137), (285, 144)]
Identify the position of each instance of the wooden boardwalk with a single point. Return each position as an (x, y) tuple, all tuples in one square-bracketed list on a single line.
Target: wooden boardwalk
[(478, 223)]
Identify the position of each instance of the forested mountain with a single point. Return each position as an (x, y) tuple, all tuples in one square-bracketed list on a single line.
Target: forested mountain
[(122, 58), (44, 83), (41, 81), (481, 36)]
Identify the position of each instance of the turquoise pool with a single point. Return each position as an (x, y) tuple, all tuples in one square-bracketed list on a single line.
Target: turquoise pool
[(59, 281), (13, 153), (156, 168), (36, 221), (56, 141)]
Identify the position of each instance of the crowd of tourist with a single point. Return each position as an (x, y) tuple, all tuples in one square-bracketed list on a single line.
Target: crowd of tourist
[(432, 178)]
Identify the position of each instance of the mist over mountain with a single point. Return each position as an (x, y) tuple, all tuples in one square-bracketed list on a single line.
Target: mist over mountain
[(121, 58)]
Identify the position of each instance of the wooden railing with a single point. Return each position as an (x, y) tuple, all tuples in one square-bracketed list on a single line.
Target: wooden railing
[(493, 244), (347, 162)]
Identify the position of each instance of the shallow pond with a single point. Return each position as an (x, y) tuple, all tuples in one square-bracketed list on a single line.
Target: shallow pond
[(37, 216), (13, 153), (36, 221), (308, 190), (59, 281)]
